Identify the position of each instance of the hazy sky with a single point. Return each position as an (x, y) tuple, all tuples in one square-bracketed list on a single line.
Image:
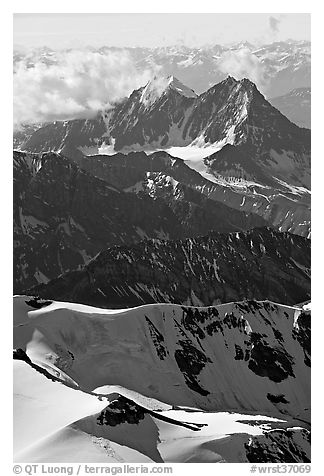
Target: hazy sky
[(60, 30)]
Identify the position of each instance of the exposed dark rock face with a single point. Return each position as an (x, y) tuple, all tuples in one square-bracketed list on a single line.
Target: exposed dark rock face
[(257, 264), (302, 333), (266, 145), (276, 364), (191, 361), (157, 339), (64, 216), (20, 354), (120, 411), (279, 446), (276, 398), (37, 303)]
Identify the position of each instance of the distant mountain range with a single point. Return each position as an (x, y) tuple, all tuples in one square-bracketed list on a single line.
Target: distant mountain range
[(296, 105), (277, 68)]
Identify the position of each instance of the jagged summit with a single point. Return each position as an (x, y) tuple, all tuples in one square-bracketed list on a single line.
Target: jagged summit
[(245, 84), (165, 113), (229, 79)]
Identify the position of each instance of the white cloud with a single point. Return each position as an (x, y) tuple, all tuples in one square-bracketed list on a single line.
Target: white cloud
[(243, 63), (73, 84)]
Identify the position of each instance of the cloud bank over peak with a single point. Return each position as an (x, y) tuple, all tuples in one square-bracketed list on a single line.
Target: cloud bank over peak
[(243, 63), (76, 84)]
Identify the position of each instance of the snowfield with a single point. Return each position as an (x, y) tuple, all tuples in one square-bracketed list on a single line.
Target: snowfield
[(160, 383)]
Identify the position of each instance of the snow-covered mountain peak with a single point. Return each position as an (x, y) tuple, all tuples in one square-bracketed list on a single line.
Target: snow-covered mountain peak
[(245, 85), (155, 88)]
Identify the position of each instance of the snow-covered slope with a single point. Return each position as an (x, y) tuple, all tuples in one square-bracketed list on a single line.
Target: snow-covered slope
[(101, 385)]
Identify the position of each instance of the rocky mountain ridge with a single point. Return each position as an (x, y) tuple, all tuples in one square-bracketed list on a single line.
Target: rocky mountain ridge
[(161, 174), (230, 113), (64, 216), (258, 264)]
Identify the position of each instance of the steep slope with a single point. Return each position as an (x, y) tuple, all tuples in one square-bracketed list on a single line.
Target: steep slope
[(250, 358), (266, 141), (296, 105), (258, 264), (64, 216)]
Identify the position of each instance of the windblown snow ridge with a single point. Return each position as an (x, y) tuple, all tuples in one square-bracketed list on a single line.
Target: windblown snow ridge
[(130, 375), (201, 355)]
